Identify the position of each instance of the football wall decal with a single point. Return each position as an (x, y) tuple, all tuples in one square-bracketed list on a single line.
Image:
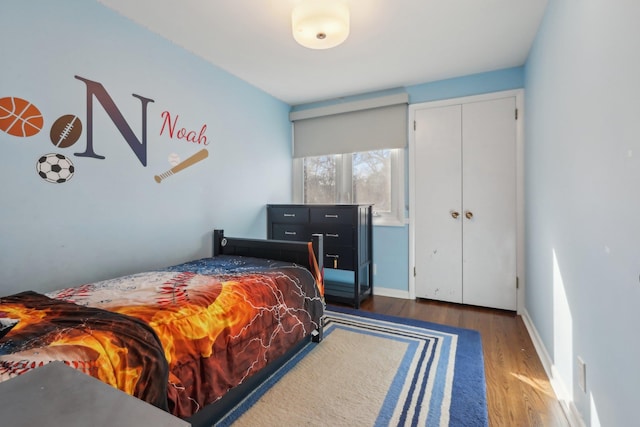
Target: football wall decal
[(55, 168), (65, 131), (19, 117)]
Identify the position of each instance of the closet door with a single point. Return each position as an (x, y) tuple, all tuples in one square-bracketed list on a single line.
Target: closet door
[(464, 169), (489, 198), (438, 202)]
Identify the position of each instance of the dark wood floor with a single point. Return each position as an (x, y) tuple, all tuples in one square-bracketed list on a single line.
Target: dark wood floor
[(518, 389)]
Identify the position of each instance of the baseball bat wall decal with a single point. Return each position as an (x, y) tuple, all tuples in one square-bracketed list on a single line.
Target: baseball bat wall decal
[(200, 155)]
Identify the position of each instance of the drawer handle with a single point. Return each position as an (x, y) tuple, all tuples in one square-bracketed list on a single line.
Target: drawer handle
[(335, 259), (331, 216), (288, 215), (290, 233), (332, 235)]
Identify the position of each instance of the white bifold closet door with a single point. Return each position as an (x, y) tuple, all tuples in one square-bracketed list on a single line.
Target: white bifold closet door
[(465, 203)]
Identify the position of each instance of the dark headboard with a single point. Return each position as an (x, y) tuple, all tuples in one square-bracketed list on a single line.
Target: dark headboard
[(280, 250)]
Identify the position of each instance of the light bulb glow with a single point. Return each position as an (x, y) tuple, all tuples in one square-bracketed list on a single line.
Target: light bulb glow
[(320, 24)]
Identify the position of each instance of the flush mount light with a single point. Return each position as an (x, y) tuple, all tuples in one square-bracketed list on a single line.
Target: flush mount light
[(320, 24)]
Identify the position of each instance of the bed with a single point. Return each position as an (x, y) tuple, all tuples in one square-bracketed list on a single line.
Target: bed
[(191, 339)]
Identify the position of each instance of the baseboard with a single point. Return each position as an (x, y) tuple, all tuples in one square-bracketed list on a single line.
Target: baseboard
[(389, 292), (559, 387)]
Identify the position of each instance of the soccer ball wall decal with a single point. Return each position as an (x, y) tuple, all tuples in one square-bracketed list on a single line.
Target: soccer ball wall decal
[(55, 168)]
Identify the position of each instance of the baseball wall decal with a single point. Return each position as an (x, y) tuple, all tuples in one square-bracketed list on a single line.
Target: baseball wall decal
[(65, 131), (200, 155), (174, 159), (19, 117)]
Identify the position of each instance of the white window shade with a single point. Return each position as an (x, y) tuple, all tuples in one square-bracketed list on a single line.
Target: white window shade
[(349, 128)]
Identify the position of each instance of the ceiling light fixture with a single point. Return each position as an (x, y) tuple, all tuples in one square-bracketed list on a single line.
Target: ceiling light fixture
[(320, 24)]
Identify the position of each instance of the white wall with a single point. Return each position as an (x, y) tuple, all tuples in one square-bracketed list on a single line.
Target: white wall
[(583, 203), (112, 218)]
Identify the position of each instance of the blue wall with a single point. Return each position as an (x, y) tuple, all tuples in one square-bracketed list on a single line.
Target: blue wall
[(475, 84), (112, 218), (583, 209)]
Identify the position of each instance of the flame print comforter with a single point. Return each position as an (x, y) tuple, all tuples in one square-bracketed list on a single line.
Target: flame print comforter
[(177, 338)]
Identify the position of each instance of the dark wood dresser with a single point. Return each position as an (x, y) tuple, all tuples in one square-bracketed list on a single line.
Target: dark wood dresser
[(348, 245)]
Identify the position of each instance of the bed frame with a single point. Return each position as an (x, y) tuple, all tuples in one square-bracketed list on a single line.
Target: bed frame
[(279, 250)]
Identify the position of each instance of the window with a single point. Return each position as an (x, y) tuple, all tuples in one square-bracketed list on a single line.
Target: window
[(320, 179), (368, 177), (371, 171), (352, 152)]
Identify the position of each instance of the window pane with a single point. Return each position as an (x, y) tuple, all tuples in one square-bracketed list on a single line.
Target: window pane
[(372, 179), (320, 179)]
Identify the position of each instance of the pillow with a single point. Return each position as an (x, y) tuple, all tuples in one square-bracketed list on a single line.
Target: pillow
[(6, 324)]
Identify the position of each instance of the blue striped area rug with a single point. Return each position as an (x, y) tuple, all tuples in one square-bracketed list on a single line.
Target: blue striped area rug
[(374, 370)]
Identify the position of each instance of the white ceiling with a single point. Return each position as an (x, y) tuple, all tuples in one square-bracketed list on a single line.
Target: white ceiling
[(392, 43)]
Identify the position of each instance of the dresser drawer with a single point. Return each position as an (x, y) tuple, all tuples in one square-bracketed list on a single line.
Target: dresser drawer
[(291, 232), (340, 257), (332, 215), (336, 235), (289, 214)]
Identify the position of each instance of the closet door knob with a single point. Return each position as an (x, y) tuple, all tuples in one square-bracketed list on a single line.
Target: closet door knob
[(468, 214), (454, 214)]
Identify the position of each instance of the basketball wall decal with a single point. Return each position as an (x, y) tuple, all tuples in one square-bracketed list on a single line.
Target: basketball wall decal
[(19, 117), (65, 131), (55, 168)]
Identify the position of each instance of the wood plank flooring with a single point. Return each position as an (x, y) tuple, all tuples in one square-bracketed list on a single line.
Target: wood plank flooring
[(518, 390)]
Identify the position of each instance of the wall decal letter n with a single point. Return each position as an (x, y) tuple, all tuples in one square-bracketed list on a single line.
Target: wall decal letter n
[(96, 89)]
